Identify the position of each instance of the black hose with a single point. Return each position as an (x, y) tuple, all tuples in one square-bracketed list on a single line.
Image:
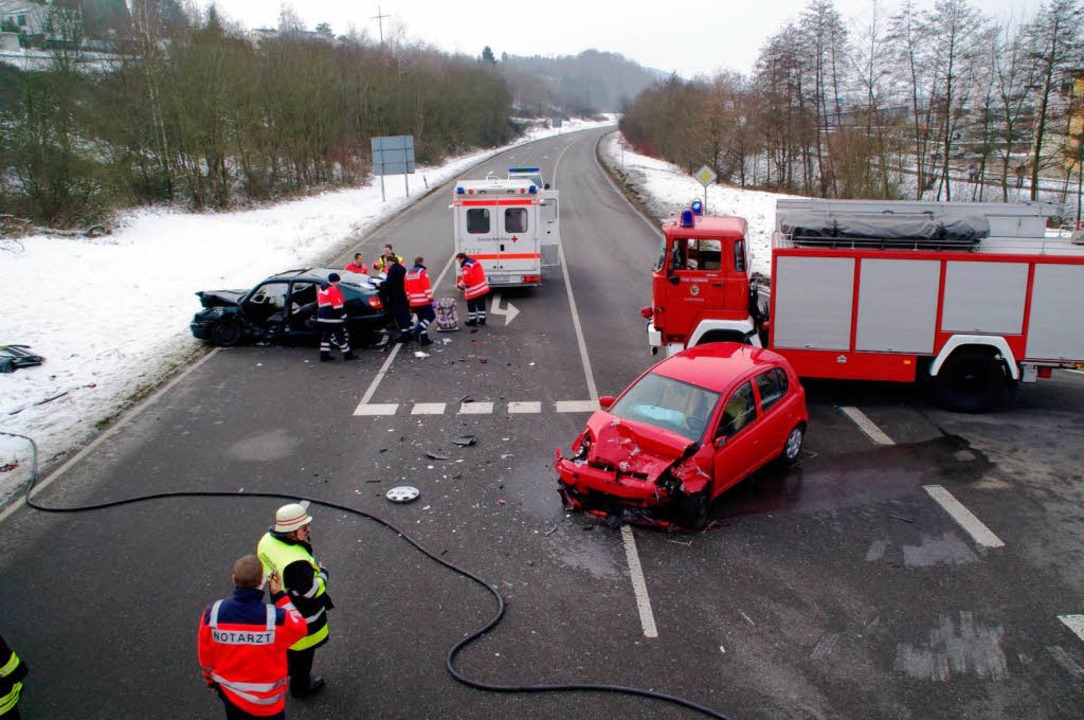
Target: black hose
[(461, 645)]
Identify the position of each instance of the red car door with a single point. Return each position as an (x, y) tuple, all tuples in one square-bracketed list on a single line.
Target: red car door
[(776, 411), (737, 440)]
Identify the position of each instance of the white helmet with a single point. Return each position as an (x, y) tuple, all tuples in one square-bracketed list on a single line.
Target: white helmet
[(291, 517)]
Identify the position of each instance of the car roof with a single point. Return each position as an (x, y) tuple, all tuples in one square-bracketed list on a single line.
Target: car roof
[(717, 366)]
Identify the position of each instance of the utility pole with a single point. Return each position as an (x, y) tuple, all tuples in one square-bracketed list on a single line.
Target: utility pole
[(379, 17)]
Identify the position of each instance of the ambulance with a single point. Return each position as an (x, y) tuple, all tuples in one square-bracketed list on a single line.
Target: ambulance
[(510, 225)]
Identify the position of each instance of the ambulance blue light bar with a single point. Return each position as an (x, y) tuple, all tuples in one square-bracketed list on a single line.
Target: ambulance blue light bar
[(522, 169), (686, 218), (697, 207), (460, 191)]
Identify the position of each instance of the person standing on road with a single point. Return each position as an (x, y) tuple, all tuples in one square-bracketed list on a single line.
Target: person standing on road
[(331, 317), (12, 672), (419, 292), (243, 643), (286, 549), (357, 265), (472, 281), (383, 262), (395, 291)]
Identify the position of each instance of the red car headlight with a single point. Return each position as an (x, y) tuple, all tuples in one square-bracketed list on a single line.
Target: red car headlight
[(582, 446)]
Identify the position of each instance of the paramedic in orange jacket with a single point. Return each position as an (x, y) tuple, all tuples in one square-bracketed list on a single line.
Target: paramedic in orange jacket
[(243, 643), (419, 292), (472, 281)]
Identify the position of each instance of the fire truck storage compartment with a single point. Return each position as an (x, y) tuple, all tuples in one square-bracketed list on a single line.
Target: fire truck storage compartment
[(1056, 320)]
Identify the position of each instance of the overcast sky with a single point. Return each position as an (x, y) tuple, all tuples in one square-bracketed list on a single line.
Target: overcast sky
[(700, 37)]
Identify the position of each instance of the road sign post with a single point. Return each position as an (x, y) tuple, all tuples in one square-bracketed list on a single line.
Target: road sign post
[(706, 176), (393, 155)]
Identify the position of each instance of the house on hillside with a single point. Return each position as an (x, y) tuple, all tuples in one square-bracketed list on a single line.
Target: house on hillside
[(23, 17)]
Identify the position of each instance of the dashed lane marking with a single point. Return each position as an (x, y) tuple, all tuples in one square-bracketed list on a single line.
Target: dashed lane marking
[(564, 406), (867, 426), (639, 584), (524, 407), (476, 408), (966, 519), (428, 409), (521, 407), (1074, 623), (369, 410)]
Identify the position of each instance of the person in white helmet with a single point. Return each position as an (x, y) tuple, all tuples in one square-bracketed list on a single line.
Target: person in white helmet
[(286, 548)]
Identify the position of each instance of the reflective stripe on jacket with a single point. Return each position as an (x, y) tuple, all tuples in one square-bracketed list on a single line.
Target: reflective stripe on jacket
[(12, 672), (330, 305), (242, 649), (474, 280), (311, 599), (419, 292), (381, 265)]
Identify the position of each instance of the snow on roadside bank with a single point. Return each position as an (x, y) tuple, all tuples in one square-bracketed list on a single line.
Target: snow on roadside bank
[(110, 315)]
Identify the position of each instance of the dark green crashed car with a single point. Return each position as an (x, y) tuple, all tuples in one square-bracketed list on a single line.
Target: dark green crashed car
[(282, 309)]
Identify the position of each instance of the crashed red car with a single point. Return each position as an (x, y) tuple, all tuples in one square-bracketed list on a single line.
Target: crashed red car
[(689, 428)]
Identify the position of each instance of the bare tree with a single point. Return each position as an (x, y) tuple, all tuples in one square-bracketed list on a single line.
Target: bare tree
[(1054, 45)]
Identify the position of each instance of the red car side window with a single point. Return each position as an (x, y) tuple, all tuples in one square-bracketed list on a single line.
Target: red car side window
[(741, 409), (772, 386)]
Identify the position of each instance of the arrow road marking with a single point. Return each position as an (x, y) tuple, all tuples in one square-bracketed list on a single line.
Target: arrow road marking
[(509, 311)]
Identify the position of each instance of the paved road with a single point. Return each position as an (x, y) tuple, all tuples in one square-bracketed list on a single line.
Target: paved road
[(842, 589)]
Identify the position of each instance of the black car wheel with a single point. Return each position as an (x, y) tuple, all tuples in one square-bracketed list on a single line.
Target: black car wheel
[(693, 510), (792, 449), (226, 333)]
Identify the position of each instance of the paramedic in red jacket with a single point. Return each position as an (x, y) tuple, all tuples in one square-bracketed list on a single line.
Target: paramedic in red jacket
[(419, 292), (331, 318), (472, 281), (243, 643)]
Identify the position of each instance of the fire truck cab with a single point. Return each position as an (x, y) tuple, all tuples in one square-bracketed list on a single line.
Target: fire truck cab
[(510, 225), (973, 295)]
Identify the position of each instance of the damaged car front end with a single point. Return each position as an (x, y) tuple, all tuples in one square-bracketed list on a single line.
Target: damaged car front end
[(620, 470)]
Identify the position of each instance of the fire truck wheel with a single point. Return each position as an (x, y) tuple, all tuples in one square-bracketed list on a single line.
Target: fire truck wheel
[(693, 510), (971, 380)]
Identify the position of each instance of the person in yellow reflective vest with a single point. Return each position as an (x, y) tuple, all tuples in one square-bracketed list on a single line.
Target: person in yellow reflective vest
[(12, 672), (286, 548)]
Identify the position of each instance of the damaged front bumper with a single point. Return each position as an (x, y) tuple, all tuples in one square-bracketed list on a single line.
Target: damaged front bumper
[(614, 497)]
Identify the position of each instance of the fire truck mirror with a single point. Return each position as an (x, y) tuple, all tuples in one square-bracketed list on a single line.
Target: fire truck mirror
[(674, 279)]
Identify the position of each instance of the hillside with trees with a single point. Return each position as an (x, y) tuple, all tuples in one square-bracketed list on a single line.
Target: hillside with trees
[(189, 110), (909, 104)]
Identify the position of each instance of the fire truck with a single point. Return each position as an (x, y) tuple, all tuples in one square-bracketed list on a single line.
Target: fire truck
[(510, 225), (974, 296)]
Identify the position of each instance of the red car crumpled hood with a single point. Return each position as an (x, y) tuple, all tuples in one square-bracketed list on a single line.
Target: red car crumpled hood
[(632, 447)]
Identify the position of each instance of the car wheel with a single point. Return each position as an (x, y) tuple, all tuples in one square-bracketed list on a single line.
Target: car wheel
[(792, 448), (226, 333), (693, 510)]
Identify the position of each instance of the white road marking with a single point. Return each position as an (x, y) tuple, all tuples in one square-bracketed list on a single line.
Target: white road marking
[(1074, 623), (524, 407), (428, 409), (564, 406), (376, 380), (1078, 372), (971, 524), (476, 408), (589, 376), (867, 426), (366, 410), (639, 585), (509, 311)]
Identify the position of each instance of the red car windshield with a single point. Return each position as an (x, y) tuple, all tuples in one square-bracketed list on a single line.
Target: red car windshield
[(668, 404)]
